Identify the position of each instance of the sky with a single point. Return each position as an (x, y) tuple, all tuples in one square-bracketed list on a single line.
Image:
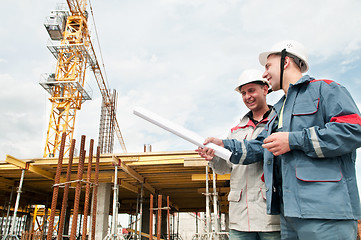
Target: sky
[(178, 58)]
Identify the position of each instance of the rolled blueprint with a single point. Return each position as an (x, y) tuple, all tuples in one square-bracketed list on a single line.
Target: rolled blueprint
[(181, 132)]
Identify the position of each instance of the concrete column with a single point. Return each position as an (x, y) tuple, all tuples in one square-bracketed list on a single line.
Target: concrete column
[(103, 205)]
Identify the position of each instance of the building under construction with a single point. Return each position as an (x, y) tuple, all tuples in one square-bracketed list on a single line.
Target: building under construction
[(74, 196), (77, 190)]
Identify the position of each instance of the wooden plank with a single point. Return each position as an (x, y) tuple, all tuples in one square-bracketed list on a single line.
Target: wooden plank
[(134, 174), (195, 162), (202, 177), (29, 167), (128, 186), (158, 162), (219, 190)]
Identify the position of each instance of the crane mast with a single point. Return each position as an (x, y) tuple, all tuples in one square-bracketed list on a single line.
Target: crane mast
[(66, 86)]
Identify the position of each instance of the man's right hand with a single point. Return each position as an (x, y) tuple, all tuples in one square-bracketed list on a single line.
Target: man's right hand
[(208, 153)]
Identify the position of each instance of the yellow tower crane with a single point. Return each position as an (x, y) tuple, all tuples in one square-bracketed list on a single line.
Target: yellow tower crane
[(66, 86)]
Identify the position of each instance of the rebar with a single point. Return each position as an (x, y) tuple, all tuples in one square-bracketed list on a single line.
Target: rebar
[(64, 204), (95, 194), (87, 190), (78, 189), (159, 216), (56, 188)]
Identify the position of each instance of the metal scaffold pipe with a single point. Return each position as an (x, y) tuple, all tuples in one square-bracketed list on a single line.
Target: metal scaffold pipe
[(215, 206), (95, 194), (16, 206), (140, 212), (113, 230), (151, 218), (115, 201), (208, 218)]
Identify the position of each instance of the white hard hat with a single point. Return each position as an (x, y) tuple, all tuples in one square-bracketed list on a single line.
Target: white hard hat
[(292, 47), (250, 76)]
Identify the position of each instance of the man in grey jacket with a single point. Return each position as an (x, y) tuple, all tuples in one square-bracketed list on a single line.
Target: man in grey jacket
[(248, 219)]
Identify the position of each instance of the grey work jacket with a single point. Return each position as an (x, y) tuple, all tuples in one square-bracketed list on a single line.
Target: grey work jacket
[(247, 196)]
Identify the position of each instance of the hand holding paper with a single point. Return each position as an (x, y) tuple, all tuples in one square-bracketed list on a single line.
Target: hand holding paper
[(181, 132)]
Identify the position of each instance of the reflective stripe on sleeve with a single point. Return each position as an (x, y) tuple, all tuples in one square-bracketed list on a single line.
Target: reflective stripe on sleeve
[(244, 152), (316, 143)]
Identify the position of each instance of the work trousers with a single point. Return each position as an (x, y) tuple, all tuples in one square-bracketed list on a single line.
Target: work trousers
[(238, 235), (307, 229)]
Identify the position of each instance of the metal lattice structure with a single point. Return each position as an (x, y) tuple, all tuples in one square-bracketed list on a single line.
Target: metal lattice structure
[(74, 55), (106, 128)]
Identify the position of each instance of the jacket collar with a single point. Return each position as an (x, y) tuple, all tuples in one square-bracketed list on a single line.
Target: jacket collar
[(246, 120), (303, 80)]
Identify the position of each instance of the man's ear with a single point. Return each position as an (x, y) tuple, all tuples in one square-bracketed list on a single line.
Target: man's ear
[(287, 62), (265, 90)]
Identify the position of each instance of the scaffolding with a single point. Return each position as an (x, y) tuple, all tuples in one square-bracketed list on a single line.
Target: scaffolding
[(213, 228)]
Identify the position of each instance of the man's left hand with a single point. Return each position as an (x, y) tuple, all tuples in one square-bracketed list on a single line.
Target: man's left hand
[(277, 143)]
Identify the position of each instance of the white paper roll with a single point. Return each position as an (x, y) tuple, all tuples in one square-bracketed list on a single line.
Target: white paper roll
[(181, 132)]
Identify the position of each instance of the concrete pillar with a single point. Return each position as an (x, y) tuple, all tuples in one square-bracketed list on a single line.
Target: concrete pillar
[(103, 204)]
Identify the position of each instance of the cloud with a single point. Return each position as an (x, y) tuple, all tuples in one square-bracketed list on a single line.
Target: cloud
[(180, 59), (22, 117)]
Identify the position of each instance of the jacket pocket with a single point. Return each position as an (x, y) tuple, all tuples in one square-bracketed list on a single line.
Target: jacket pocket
[(235, 196), (308, 106), (316, 170), (322, 191)]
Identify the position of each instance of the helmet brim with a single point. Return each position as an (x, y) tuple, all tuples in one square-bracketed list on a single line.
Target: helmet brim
[(237, 89), (264, 55)]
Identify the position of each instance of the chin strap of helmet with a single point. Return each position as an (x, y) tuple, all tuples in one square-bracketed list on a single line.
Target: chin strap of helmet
[(283, 56)]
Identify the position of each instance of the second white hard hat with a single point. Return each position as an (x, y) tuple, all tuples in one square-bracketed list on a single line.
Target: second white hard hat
[(292, 47), (250, 76)]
